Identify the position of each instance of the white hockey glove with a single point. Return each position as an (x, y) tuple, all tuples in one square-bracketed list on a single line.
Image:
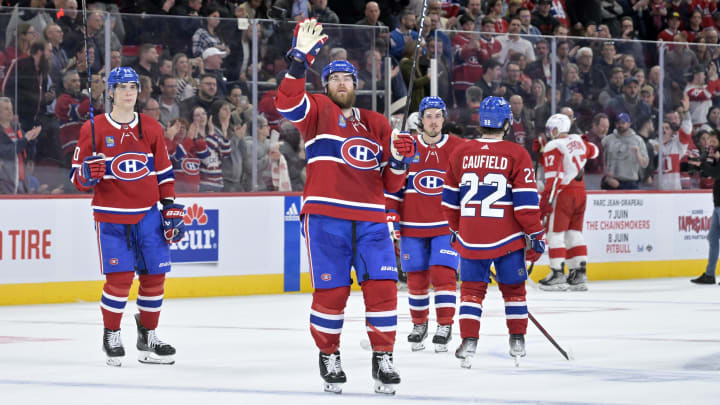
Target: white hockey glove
[(307, 41)]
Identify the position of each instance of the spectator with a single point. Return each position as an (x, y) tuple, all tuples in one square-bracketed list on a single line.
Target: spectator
[(253, 8), (237, 171), (541, 67), (701, 92), (625, 155), (53, 34), (513, 82), (366, 77), (365, 36), (207, 37), (146, 90), (240, 106), (321, 12), (468, 116), (151, 108), (38, 19), (146, 64), (292, 148), (72, 110), (592, 79), (570, 83), (631, 45), (673, 28), (218, 125), (694, 27), (169, 108), (613, 88), (115, 59), (204, 98), (96, 38), (713, 120), (212, 63), (433, 29), (19, 43), (673, 150), (522, 130), (489, 82), (420, 80), (70, 23), (532, 32), (22, 81), (607, 61), (186, 150), (16, 149), (220, 112), (513, 43), (401, 33), (262, 148), (678, 61), (629, 102), (184, 70), (595, 168), (541, 108), (543, 19), (473, 11), (494, 12)]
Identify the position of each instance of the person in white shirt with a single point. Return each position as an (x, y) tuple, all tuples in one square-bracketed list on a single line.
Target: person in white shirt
[(514, 43)]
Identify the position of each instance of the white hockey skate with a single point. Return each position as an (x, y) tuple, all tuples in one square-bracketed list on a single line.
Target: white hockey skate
[(555, 281), (384, 373), (152, 350), (443, 335), (466, 351), (416, 337), (113, 347), (332, 373), (577, 280), (517, 347)]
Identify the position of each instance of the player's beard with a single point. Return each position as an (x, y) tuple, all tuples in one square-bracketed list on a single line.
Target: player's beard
[(343, 101)]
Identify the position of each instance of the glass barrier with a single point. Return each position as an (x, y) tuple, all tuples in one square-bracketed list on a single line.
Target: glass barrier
[(211, 82)]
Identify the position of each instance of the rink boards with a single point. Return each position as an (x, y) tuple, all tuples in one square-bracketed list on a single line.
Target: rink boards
[(251, 244)]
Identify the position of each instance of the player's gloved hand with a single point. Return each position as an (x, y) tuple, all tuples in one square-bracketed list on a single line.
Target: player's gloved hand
[(535, 246), (402, 146), (92, 170), (393, 220), (173, 225), (307, 41)]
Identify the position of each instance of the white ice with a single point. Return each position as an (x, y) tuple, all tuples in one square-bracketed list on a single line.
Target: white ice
[(632, 342)]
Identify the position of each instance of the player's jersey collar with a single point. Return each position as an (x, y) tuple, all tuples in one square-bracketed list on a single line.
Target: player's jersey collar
[(438, 144), (488, 140), (119, 125)]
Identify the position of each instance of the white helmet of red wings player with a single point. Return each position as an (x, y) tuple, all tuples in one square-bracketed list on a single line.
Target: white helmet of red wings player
[(557, 124)]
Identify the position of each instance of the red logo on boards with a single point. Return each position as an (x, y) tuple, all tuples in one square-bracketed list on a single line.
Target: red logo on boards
[(195, 213)]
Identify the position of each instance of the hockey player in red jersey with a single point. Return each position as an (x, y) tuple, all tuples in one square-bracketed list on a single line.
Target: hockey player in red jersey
[(426, 254), (352, 154), (563, 199), (128, 168), (490, 200)]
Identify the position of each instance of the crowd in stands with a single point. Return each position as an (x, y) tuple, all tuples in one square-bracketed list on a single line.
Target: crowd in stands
[(195, 61)]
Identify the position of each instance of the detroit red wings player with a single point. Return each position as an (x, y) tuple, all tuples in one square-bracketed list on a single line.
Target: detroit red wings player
[(563, 199)]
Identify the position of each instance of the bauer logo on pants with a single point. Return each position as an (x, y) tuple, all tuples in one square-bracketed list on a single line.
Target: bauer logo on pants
[(200, 243)]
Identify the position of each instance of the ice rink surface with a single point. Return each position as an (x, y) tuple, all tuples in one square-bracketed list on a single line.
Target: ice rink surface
[(632, 342)]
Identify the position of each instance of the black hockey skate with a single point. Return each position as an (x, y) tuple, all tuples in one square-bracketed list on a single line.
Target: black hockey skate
[(466, 351), (555, 281), (418, 334), (517, 347), (331, 372), (443, 335), (577, 279), (113, 347), (704, 279), (384, 373), (151, 349)]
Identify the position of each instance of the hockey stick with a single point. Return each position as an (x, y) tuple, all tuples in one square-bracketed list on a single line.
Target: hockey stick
[(87, 60), (540, 327), (412, 71)]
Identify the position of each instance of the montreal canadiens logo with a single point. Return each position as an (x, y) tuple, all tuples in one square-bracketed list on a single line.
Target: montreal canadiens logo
[(360, 153), (130, 166), (429, 182), (191, 166)]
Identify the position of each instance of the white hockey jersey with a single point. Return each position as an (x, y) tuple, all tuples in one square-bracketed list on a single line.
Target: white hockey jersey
[(564, 158)]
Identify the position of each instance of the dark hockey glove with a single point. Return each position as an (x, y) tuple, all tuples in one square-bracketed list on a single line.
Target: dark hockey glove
[(535, 246), (173, 225), (92, 170), (307, 41)]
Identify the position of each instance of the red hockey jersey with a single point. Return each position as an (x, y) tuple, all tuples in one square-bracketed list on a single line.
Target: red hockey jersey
[(418, 202), (138, 171), (490, 198), (564, 159), (71, 112), (346, 156)]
